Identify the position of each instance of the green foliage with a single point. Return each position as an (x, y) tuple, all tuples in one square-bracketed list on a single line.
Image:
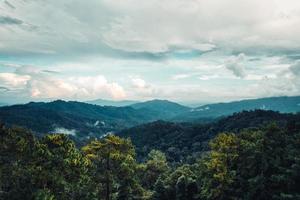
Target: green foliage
[(51, 168), (44, 195), (62, 168), (252, 165), (115, 166), (155, 166), (256, 163), (185, 142), (223, 154), (159, 190)]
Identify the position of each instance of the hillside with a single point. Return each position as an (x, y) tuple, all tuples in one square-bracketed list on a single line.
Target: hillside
[(186, 141), (280, 104), (164, 109), (80, 119), (85, 120)]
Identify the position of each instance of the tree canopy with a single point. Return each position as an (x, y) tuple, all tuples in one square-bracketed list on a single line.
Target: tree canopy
[(255, 163)]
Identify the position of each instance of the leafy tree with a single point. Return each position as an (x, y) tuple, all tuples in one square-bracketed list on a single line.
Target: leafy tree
[(159, 192), (155, 166), (48, 169), (17, 147), (60, 167), (256, 164), (114, 160), (219, 167)]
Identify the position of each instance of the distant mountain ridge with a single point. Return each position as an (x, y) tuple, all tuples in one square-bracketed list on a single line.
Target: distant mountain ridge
[(104, 102), (280, 104), (86, 120)]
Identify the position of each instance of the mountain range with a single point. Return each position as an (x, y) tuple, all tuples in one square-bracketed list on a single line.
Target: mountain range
[(281, 104), (85, 120), (82, 119)]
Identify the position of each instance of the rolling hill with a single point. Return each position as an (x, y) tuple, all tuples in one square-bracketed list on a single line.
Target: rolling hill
[(84, 120), (186, 141), (163, 109)]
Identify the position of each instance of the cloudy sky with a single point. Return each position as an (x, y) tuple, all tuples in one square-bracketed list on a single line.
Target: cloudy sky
[(182, 50)]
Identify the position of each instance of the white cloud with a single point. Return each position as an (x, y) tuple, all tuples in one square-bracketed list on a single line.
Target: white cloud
[(38, 84), (142, 89), (157, 26), (153, 26), (77, 87), (13, 81), (139, 83)]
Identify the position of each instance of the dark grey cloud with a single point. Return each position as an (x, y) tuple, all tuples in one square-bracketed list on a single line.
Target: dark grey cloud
[(6, 20)]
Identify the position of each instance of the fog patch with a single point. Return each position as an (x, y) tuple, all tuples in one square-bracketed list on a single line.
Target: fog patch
[(65, 131)]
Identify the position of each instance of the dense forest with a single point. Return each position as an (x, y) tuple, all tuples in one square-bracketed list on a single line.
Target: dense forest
[(185, 142), (259, 161)]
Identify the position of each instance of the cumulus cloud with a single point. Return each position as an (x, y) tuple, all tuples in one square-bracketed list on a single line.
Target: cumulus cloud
[(139, 83), (142, 89), (12, 80), (40, 84), (235, 64)]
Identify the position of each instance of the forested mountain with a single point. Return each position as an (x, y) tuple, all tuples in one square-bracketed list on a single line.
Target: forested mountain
[(184, 142), (164, 109), (82, 119), (281, 104), (104, 102), (85, 120)]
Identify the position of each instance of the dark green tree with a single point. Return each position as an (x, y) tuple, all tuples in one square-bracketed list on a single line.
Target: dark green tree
[(159, 192), (114, 160)]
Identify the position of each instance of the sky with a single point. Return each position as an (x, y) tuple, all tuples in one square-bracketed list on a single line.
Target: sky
[(181, 50)]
